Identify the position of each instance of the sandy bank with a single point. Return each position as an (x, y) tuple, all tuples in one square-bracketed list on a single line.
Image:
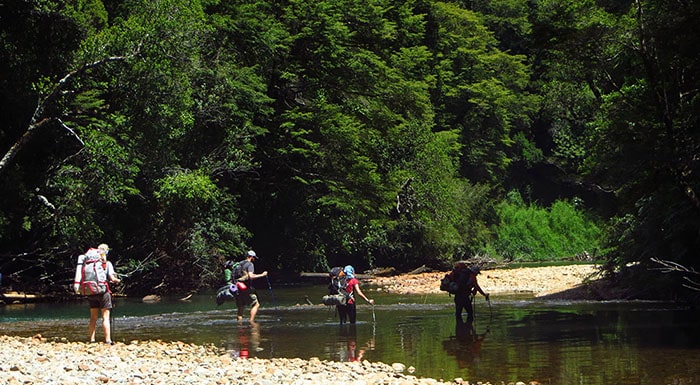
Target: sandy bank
[(538, 281)]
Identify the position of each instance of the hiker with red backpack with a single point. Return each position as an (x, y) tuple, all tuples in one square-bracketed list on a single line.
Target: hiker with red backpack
[(93, 274)]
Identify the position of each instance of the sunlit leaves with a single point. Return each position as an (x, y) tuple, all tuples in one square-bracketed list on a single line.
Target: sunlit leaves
[(479, 89), (529, 232), (185, 187)]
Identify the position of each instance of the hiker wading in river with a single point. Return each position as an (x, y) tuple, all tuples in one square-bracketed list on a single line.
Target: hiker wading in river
[(352, 288), (245, 273), (467, 287)]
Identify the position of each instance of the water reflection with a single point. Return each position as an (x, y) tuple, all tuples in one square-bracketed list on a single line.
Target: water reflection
[(245, 340), (517, 340), (465, 344), (347, 345)]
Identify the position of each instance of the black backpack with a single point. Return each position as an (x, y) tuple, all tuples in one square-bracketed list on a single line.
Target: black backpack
[(337, 293), (240, 269), (339, 281), (460, 279)]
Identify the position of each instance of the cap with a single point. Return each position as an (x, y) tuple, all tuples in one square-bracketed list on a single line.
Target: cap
[(251, 253)]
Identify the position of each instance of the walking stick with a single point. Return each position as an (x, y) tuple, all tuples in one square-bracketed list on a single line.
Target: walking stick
[(488, 299), (273, 297), (111, 318), (471, 300)]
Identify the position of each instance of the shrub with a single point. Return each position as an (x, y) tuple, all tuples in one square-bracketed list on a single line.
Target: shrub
[(527, 232)]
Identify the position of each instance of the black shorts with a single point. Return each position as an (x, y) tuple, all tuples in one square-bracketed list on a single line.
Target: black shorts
[(100, 301)]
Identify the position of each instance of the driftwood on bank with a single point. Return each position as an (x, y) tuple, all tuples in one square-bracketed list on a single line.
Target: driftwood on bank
[(382, 272), (422, 269), (12, 297), (306, 274), (376, 272)]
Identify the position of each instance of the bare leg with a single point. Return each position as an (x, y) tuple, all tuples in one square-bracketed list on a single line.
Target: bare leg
[(106, 326), (94, 313), (254, 311)]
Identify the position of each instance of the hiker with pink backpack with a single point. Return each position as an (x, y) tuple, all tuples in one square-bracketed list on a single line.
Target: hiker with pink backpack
[(93, 274)]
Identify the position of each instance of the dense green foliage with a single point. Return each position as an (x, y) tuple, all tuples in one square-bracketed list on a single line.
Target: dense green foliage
[(531, 233), (376, 133)]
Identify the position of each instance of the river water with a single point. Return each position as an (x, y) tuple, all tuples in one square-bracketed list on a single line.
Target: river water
[(516, 338)]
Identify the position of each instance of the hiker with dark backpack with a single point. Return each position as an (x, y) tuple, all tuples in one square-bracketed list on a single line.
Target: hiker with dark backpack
[(337, 293), (244, 275), (229, 267), (352, 288), (230, 291), (93, 274), (464, 279)]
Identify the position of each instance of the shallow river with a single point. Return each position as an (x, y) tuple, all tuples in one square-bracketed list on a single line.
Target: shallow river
[(514, 339)]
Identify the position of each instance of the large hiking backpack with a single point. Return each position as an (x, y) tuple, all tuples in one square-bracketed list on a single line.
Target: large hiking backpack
[(460, 279), (240, 269), (94, 277), (339, 281), (229, 271), (337, 293), (226, 293), (244, 286)]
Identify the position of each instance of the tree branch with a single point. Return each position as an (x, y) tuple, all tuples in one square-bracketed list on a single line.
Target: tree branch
[(674, 267), (38, 119)]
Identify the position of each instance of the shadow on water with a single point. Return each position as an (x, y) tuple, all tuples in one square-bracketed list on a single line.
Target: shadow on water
[(517, 339)]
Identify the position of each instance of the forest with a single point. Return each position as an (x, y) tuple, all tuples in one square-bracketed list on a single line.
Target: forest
[(378, 133)]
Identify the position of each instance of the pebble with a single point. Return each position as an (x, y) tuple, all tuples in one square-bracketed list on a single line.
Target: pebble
[(37, 360)]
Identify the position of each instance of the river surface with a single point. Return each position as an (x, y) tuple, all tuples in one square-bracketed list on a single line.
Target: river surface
[(515, 338)]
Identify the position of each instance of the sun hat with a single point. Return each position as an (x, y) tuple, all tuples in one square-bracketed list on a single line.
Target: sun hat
[(349, 271)]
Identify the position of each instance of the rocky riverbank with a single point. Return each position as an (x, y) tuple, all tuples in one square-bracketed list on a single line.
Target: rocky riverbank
[(38, 361)]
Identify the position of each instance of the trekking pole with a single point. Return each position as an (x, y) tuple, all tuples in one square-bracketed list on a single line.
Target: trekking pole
[(488, 299), (111, 318), (374, 318), (111, 322), (273, 297), (471, 300)]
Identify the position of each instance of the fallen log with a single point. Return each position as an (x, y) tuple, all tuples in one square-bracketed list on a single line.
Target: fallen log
[(20, 297), (420, 270), (306, 274), (382, 272)]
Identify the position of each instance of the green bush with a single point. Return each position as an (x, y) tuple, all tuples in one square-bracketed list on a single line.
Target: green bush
[(527, 232)]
